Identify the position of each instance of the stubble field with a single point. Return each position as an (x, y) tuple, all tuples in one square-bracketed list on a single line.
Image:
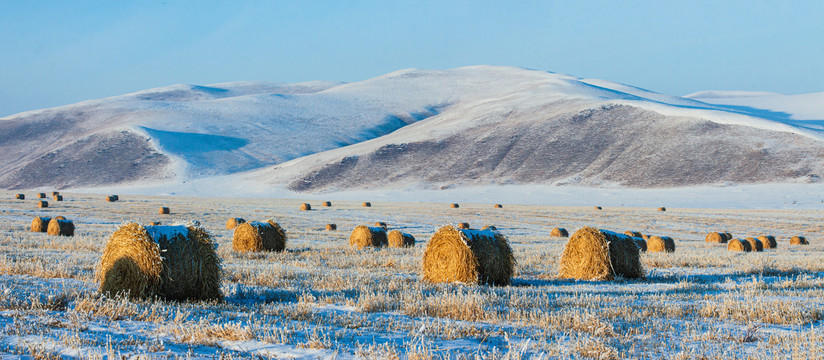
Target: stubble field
[(322, 299)]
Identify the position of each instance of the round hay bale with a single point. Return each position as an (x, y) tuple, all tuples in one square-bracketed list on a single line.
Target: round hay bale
[(396, 238), (662, 209), (55, 193), (628, 233), (58, 197), (20, 196), (331, 227), (592, 254), (116, 197), (454, 206), (327, 203), (463, 225), (111, 198), (234, 222), (739, 245), (559, 232), (41, 195), (499, 206), (468, 256), (598, 208), (715, 237), (259, 236), (366, 204), (60, 217), (660, 244), (728, 235), (58, 227), (305, 207), (490, 227), (798, 240), (381, 224), (363, 236), (645, 237), (641, 243), (154, 223), (170, 262), (42, 204), (40, 224), (767, 241), (755, 244), (164, 210)]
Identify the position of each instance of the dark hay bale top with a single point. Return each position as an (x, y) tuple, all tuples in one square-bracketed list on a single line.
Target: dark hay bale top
[(366, 204), (41, 195), (592, 254), (662, 209), (40, 224), (454, 206), (798, 240), (305, 207), (559, 232), (756, 244), (60, 227), (58, 197), (327, 203), (234, 222), (660, 244), (42, 204), (641, 243), (170, 262), (498, 206), (490, 227), (396, 238), (728, 235), (468, 256), (715, 237), (381, 224), (163, 210), (20, 196), (331, 227), (768, 241), (363, 236), (463, 225), (739, 245), (258, 236), (116, 197)]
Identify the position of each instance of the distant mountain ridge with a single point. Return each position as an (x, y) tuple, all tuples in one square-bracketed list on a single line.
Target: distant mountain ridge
[(476, 125)]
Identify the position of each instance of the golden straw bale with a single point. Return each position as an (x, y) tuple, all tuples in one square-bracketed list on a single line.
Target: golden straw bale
[(55, 193), (463, 225), (40, 224), (363, 236), (396, 238), (490, 227), (645, 237), (559, 232), (259, 236), (58, 227), (468, 256), (20, 196), (715, 237), (739, 245), (498, 206), (768, 241), (662, 209), (592, 254), (60, 217), (660, 244), (381, 224), (598, 208), (154, 223), (42, 204), (164, 210), (58, 197), (327, 203), (756, 244), (234, 222), (41, 195), (729, 236), (111, 198), (799, 240), (331, 227), (454, 206), (170, 262), (366, 204), (305, 207)]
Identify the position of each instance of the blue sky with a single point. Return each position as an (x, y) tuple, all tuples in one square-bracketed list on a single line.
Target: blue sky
[(59, 52)]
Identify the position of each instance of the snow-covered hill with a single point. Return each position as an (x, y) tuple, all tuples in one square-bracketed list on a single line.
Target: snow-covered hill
[(413, 128)]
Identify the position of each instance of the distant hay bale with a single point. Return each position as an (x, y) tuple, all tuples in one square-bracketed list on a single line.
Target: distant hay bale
[(42, 204), (598, 208), (331, 227), (490, 227), (20, 196), (366, 204), (798, 240), (559, 232), (768, 241), (468, 256), (58, 197), (633, 233), (116, 197), (154, 223), (739, 245), (728, 235), (592, 254), (363, 236), (111, 198), (234, 222), (463, 225), (256, 236), (660, 244), (60, 217), (662, 209), (645, 237), (396, 238), (454, 206), (715, 237), (756, 244), (381, 224), (305, 207), (498, 206), (55, 193), (641, 243), (327, 203), (170, 262), (41, 195), (164, 210), (58, 227), (40, 224)]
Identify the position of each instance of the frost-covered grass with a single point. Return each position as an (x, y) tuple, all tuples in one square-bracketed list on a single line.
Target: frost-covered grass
[(320, 299)]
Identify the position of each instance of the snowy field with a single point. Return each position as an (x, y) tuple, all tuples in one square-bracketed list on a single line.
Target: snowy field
[(321, 299)]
